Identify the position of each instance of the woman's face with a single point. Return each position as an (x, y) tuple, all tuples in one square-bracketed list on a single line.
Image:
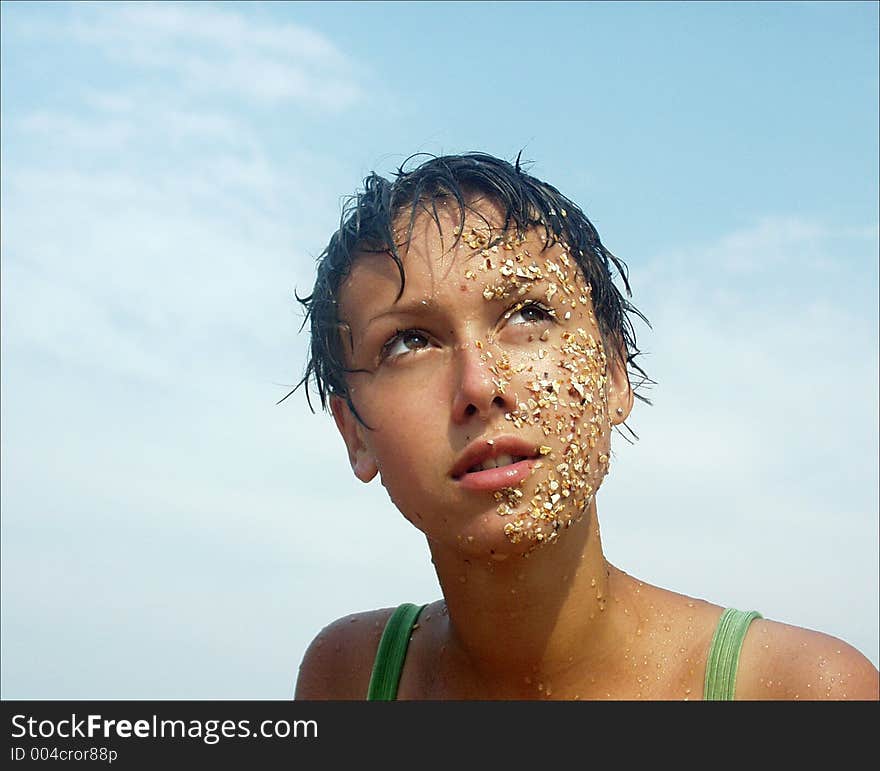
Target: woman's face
[(488, 392)]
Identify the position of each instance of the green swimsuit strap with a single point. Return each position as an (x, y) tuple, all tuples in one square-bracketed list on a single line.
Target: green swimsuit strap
[(392, 652), (723, 660)]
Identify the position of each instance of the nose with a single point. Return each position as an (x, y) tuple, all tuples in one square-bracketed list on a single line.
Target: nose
[(476, 392)]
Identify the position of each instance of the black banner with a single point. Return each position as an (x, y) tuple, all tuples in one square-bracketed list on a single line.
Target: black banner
[(267, 734)]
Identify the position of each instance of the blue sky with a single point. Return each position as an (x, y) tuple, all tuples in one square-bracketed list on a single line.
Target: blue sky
[(169, 173)]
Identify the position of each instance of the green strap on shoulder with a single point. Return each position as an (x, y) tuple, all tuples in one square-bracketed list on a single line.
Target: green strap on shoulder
[(390, 656), (721, 666)]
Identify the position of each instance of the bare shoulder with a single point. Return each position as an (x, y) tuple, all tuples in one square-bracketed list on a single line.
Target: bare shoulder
[(338, 662), (782, 662)]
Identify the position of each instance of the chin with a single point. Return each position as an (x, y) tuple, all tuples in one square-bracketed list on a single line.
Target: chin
[(482, 531), (489, 536)]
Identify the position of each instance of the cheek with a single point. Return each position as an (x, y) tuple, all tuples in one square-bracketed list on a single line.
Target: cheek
[(401, 421), (566, 398)]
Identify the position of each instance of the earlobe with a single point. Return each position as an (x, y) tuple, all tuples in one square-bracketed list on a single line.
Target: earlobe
[(362, 462), (620, 392)]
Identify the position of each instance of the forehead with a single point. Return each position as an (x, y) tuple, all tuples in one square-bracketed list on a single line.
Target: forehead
[(442, 256)]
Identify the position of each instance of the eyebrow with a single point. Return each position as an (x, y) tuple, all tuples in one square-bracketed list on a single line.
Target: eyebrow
[(412, 308)]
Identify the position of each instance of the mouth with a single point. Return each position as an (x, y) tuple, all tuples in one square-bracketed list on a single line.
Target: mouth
[(497, 462), (492, 464)]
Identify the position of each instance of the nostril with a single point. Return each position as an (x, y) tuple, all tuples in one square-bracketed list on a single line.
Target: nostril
[(470, 410), (498, 401)]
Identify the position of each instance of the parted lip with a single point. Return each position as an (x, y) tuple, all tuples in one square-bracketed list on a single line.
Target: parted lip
[(482, 449)]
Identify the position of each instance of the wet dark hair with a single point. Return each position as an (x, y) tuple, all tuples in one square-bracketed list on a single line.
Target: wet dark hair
[(368, 222)]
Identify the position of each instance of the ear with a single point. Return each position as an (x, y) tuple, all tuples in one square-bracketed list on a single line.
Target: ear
[(362, 462), (620, 392)]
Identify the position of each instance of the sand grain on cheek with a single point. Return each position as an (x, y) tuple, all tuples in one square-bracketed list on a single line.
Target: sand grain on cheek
[(570, 409), (566, 393)]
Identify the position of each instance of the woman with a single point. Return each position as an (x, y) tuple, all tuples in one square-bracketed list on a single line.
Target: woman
[(476, 355)]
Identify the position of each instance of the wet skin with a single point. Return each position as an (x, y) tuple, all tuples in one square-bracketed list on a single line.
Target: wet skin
[(493, 342)]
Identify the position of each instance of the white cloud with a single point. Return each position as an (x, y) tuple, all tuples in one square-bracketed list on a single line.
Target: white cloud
[(211, 49), (757, 463), (67, 130), (782, 250), (157, 222)]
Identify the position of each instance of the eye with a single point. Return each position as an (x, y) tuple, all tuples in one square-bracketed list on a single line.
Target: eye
[(405, 341), (530, 313)]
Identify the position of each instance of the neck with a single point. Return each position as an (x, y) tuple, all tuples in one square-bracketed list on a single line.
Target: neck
[(525, 620)]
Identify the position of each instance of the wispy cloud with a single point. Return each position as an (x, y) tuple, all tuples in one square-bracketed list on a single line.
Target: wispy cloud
[(764, 417), (773, 246), (768, 315), (157, 222), (213, 50), (152, 237)]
